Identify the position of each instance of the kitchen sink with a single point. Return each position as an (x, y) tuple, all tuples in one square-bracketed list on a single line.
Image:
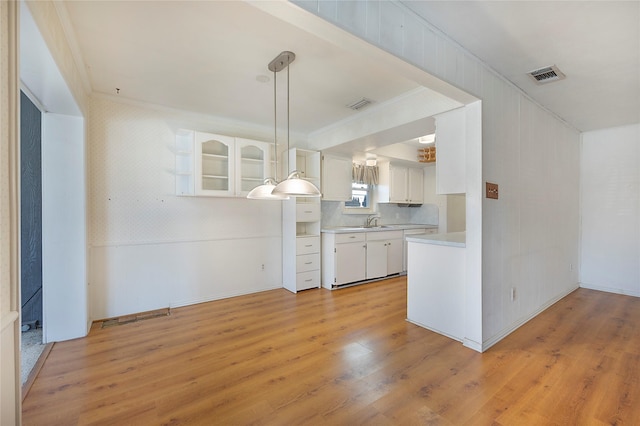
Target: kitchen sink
[(362, 227)]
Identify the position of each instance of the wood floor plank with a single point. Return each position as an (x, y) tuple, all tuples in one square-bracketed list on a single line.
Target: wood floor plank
[(345, 357)]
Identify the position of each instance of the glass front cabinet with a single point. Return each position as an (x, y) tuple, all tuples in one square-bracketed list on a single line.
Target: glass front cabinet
[(253, 164), (214, 165), (223, 166)]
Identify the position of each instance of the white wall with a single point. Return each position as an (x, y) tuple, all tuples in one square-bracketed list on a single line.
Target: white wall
[(151, 249), (64, 245), (610, 210), (529, 237)]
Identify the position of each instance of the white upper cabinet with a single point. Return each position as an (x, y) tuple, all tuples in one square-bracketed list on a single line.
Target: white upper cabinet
[(214, 164), (398, 181), (451, 148), (253, 164), (415, 187), (336, 178), (218, 165), (400, 184)]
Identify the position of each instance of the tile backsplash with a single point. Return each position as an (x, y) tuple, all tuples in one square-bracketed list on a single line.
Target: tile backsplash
[(332, 215)]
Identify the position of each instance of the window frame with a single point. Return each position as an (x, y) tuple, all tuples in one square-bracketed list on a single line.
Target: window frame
[(361, 210)]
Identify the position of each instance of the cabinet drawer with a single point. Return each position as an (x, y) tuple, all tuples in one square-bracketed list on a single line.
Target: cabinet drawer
[(308, 262), (350, 238), (307, 245), (305, 280), (307, 212)]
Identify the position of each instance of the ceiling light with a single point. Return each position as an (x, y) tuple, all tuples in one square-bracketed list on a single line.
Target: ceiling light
[(265, 192), (293, 185), (427, 138)]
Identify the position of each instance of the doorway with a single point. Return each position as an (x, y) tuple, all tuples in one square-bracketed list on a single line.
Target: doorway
[(30, 214), (31, 312)]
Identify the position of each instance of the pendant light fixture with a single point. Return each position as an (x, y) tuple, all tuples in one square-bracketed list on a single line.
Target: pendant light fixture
[(265, 191), (293, 185)]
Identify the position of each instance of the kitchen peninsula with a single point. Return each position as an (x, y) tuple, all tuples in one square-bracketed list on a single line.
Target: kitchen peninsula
[(359, 254), (436, 282)]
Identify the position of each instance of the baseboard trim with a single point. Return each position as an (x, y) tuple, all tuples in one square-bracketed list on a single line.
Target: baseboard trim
[(610, 289), (183, 303), (495, 339)]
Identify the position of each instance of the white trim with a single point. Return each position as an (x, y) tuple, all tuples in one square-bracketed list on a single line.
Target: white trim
[(610, 289), (435, 331), (183, 303), (472, 344), (185, 241), (495, 339), (32, 97)]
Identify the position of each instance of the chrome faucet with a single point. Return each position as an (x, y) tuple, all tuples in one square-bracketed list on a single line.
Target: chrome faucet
[(370, 219)]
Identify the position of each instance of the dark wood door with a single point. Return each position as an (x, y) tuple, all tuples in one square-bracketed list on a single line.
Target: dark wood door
[(31, 210)]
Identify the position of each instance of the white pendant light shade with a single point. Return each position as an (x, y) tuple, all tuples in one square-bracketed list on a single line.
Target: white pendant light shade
[(265, 192), (294, 186)]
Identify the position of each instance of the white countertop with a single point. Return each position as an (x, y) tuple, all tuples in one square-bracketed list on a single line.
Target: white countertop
[(452, 239), (397, 227)]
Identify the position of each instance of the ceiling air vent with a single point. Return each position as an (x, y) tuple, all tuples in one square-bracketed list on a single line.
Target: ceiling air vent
[(358, 105), (547, 75)]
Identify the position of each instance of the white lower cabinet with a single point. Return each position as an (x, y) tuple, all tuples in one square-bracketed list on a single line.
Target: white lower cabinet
[(350, 263), (376, 259), (353, 257), (307, 262), (384, 253)]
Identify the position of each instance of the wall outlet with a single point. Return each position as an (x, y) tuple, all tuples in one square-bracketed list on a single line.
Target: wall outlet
[(513, 294), (571, 267), (262, 267)]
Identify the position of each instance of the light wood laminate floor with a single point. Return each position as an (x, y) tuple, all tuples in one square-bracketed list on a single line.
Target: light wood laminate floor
[(345, 357)]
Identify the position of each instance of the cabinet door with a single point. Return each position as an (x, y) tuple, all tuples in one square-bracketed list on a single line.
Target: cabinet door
[(253, 164), (376, 259), (214, 168), (416, 185), (395, 251), (350, 262), (336, 178), (398, 185)]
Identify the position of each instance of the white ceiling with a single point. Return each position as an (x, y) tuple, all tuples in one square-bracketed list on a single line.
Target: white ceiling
[(595, 43), (206, 56)]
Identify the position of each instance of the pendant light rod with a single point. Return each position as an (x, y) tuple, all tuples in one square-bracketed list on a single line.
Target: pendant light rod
[(275, 124), (288, 129)]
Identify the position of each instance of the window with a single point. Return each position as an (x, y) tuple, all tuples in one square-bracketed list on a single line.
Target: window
[(360, 197)]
